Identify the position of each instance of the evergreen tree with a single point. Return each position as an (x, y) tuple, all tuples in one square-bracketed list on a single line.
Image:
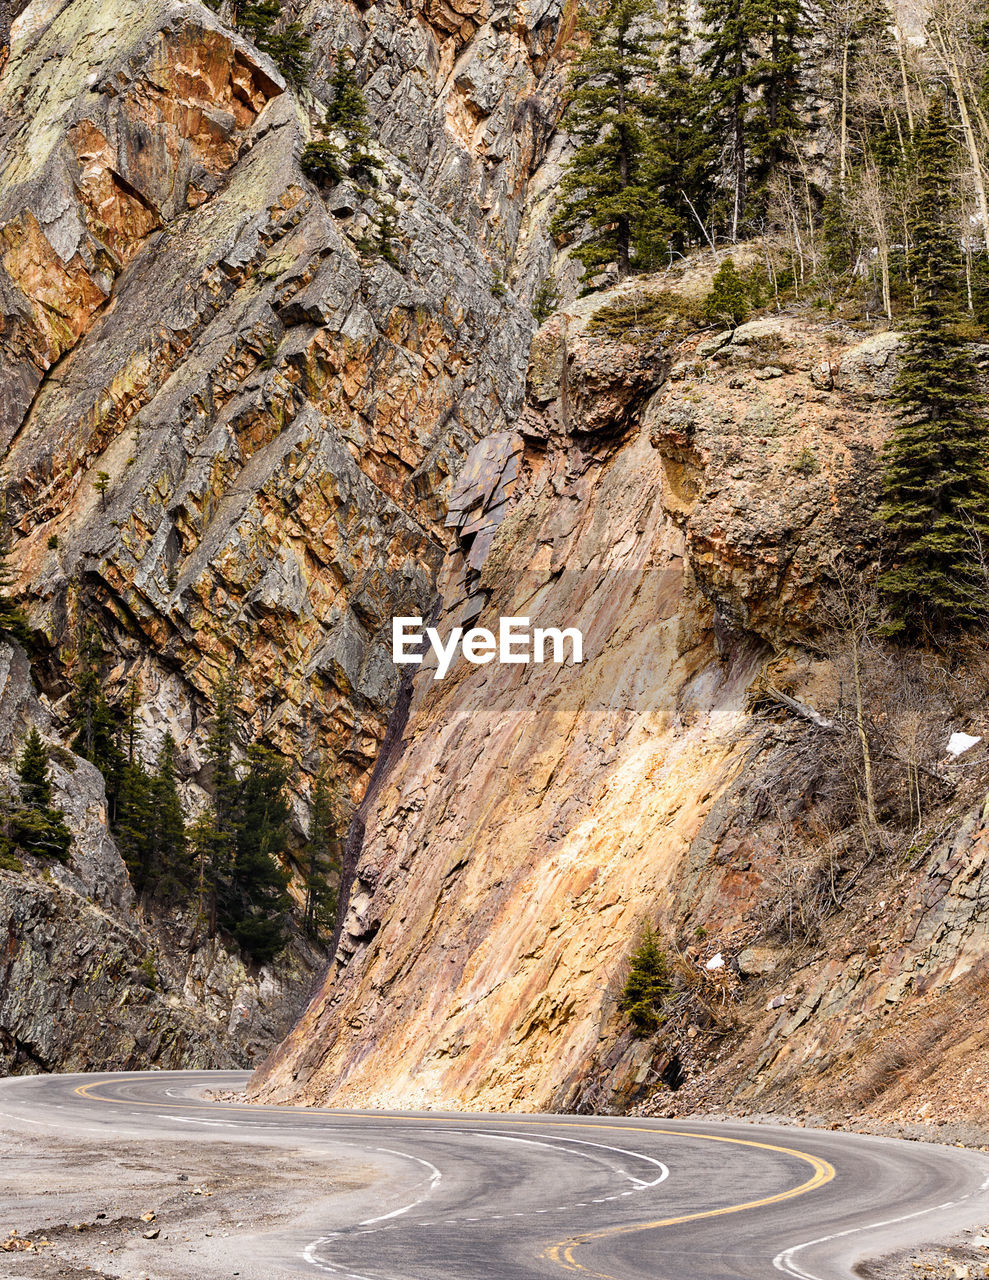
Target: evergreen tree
[(219, 754), (681, 156), (132, 823), (32, 770), (171, 868), (93, 720), (38, 827), (752, 59), (647, 986), (727, 303), (346, 114), (255, 902), (607, 197), (322, 859), (936, 481), (216, 843), (347, 110), (289, 46), (776, 120)]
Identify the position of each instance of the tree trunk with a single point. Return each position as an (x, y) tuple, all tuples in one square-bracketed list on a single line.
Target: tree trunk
[(738, 123), (906, 82), (843, 141), (971, 144)]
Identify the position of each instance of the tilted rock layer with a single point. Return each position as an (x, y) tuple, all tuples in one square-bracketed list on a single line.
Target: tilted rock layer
[(228, 429), (278, 417)]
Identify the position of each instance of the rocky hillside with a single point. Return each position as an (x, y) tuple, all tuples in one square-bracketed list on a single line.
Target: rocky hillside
[(683, 506), (238, 439), (87, 980), (229, 432)]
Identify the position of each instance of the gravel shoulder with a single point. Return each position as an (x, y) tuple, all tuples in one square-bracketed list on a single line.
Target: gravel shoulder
[(163, 1210)]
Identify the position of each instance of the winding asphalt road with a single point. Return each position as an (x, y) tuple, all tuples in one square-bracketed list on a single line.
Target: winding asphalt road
[(523, 1197)]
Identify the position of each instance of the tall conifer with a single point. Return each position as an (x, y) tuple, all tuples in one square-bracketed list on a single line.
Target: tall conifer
[(936, 480), (752, 57), (681, 154), (607, 197)]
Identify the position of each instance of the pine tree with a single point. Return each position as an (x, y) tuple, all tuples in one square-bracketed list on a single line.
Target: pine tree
[(132, 823), (132, 810), (681, 156), (727, 303), (346, 113), (171, 868), (347, 110), (752, 58), (38, 827), (92, 718), (322, 859), (607, 197), (777, 121), (217, 844), (936, 480), (32, 770), (647, 986), (255, 901), (288, 46)]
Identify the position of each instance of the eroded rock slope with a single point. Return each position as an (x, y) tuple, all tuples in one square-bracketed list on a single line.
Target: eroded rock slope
[(682, 504)]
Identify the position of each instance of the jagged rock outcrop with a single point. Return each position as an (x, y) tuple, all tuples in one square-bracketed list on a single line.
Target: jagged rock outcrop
[(534, 816), (278, 416)]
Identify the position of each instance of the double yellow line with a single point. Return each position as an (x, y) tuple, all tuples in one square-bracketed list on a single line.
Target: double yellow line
[(561, 1253)]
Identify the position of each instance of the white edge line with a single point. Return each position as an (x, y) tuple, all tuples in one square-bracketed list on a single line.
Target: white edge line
[(784, 1260)]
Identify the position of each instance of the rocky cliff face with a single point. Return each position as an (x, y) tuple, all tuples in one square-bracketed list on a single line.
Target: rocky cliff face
[(682, 508), (229, 432), (278, 417)]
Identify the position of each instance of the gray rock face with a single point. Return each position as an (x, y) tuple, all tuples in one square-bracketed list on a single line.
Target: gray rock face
[(84, 988), (279, 413), (869, 368)]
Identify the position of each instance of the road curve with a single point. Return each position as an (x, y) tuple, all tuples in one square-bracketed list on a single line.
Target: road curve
[(524, 1197)]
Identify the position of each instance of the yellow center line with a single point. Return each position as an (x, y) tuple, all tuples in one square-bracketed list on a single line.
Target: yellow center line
[(562, 1252)]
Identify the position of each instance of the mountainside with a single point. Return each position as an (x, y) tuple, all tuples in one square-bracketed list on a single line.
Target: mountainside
[(528, 824), (228, 432), (250, 417)]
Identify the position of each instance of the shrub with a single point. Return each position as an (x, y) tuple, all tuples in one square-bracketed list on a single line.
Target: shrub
[(645, 316), (322, 161), (728, 301), (546, 300), (806, 463)]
